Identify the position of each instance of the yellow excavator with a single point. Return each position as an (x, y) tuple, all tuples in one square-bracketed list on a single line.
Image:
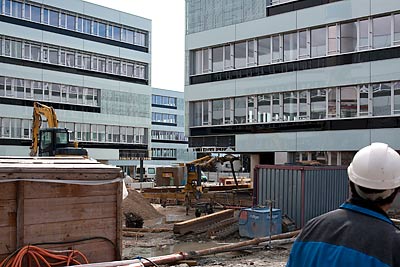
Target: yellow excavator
[(52, 141), (193, 183)]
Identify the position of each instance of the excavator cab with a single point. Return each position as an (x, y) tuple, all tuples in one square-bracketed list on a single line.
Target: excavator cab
[(55, 142), (52, 141)]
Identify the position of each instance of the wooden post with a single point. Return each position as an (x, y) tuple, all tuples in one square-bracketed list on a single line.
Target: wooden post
[(20, 214), (119, 221)]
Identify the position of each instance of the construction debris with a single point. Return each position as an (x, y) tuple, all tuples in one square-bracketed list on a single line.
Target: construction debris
[(177, 257)]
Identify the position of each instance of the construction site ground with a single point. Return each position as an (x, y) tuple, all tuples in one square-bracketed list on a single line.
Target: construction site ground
[(150, 244)]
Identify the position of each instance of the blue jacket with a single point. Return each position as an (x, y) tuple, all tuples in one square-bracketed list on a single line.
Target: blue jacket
[(352, 235)]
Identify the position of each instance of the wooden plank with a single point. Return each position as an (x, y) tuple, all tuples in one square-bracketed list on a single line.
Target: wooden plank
[(85, 175), (8, 191), (70, 231), (95, 250), (53, 190), (118, 229), (8, 213), (69, 209), (198, 223), (20, 214), (7, 239)]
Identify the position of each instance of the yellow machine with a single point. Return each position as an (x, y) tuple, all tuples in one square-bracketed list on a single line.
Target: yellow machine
[(193, 183), (52, 141)]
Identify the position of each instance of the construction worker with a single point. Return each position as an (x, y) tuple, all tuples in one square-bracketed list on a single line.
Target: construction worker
[(360, 232)]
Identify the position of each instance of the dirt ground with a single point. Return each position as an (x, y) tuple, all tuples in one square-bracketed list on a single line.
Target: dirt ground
[(157, 244)]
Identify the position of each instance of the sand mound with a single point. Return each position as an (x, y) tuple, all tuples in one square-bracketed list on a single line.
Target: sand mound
[(137, 204)]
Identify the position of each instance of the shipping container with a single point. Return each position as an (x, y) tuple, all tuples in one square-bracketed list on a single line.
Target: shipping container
[(301, 192)]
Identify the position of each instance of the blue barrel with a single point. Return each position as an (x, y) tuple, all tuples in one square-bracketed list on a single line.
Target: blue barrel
[(256, 222)]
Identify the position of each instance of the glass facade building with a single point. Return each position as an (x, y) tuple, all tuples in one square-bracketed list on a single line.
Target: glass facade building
[(309, 80), (89, 62)]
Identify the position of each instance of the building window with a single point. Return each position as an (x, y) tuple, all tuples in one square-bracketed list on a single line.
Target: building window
[(205, 113), (264, 108), (276, 107), (227, 111), (381, 99), (396, 29), (240, 55), (396, 95), (332, 99), (264, 51), (348, 102), (381, 32), (364, 100), (205, 61), (348, 37), (304, 44), (318, 42), (290, 46), (227, 57), (318, 104), (217, 112), (276, 49), (217, 57), (333, 46), (240, 110), (290, 106), (251, 59)]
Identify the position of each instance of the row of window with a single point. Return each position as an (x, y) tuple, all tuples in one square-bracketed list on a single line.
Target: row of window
[(40, 52), (163, 100), (53, 92), (168, 135), (21, 129), (72, 21), (358, 35), (163, 117), (335, 158), (367, 100), (163, 153)]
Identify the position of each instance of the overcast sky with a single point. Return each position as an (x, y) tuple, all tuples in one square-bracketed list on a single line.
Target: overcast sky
[(168, 37)]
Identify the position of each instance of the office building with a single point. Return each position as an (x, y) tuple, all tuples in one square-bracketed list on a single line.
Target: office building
[(287, 81), (91, 63)]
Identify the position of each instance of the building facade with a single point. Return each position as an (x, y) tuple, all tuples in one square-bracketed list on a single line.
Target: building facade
[(168, 142), (91, 63), (288, 81)]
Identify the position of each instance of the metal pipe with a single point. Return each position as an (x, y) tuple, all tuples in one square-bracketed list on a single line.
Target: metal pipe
[(191, 254)]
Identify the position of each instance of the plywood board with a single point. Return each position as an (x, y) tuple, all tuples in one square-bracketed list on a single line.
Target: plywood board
[(69, 209), (8, 213), (70, 231), (7, 191), (52, 190), (7, 240)]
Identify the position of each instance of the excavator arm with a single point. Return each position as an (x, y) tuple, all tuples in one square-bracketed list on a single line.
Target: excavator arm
[(49, 113)]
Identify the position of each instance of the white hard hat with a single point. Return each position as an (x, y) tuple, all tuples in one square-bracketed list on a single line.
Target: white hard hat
[(376, 166)]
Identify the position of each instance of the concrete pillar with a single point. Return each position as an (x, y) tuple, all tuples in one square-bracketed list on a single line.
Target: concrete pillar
[(254, 160)]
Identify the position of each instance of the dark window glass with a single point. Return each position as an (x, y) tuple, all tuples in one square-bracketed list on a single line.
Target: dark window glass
[(102, 29), (35, 13), (71, 22), (7, 7), (54, 18)]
